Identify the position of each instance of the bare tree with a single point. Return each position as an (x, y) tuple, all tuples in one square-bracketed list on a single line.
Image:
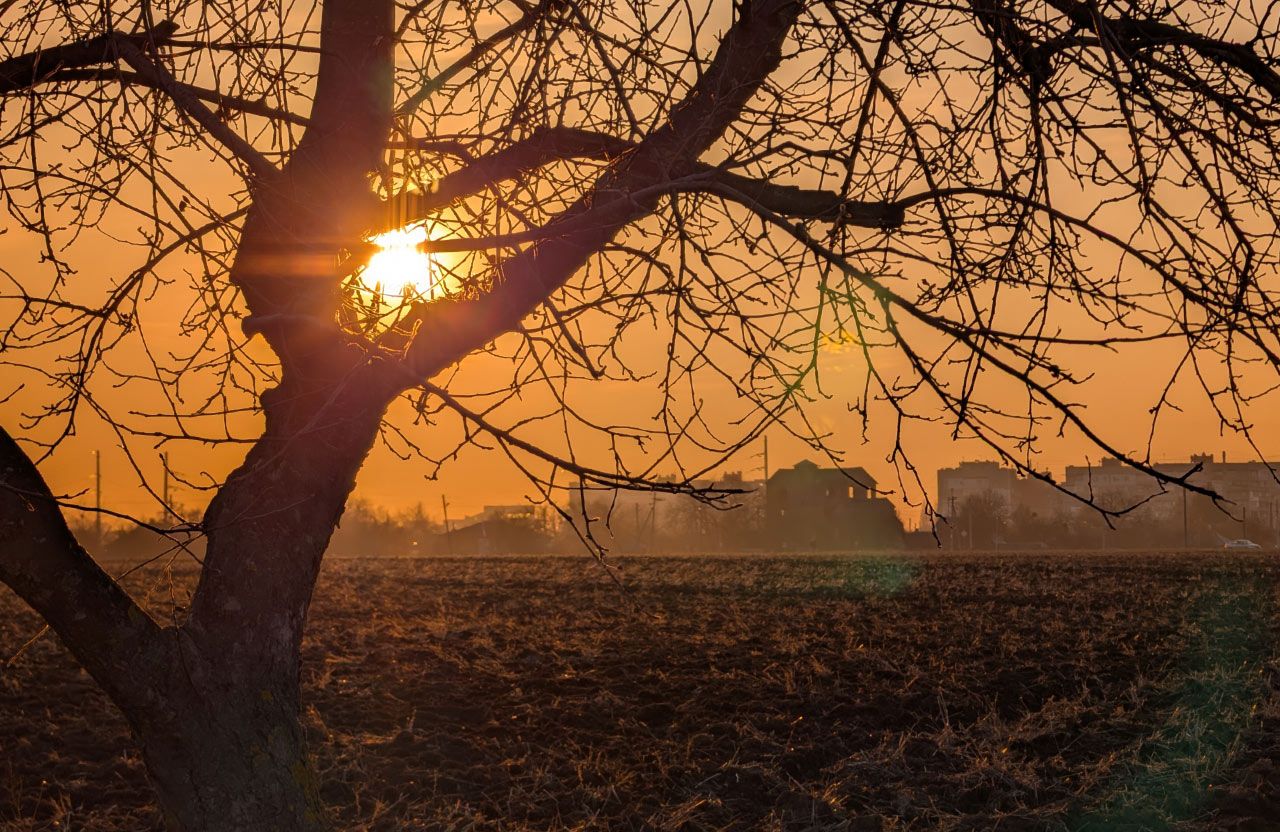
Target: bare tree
[(983, 198)]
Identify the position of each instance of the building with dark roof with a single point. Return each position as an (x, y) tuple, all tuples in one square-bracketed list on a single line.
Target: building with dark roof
[(808, 507)]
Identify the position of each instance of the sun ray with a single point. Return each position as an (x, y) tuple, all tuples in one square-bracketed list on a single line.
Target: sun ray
[(400, 271)]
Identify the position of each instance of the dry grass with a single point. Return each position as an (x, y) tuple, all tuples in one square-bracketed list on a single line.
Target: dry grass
[(951, 693)]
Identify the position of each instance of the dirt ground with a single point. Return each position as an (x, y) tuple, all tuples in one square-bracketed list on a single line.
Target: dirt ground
[(1052, 692)]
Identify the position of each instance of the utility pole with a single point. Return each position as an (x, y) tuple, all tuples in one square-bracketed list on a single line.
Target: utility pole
[(1185, 537), (448, 532), (653, 519), (764, 496), (951, 518), (164, 463)]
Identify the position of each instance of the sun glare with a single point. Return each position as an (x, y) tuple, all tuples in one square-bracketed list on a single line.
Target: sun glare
[(401, 271)]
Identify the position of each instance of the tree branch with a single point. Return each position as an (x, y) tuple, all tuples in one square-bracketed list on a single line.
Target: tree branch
[(220, 100), (41, 561), (558, 144), (621, 207), (749, 52), (432, 85), (24, 71), (1140, 33), (189, 104)]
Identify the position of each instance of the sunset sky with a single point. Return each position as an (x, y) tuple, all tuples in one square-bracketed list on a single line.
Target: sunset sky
[(1123, 386)]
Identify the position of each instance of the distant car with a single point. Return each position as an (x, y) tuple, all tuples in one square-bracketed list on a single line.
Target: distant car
[(1240, 544)]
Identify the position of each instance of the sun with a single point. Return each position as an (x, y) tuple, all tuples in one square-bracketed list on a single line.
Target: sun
[(400, 271)]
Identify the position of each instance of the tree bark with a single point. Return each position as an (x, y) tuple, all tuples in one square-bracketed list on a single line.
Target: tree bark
[(225, 752), (222, 742), (214, 704)]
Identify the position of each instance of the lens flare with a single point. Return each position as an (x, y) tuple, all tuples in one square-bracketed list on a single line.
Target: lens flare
[(400, 270)]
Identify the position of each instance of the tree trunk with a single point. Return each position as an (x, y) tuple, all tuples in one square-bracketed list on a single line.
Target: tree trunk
[(224, 746), (225, 754)]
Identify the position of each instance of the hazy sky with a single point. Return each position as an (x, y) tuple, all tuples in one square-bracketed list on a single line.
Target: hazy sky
[(1122, 389)]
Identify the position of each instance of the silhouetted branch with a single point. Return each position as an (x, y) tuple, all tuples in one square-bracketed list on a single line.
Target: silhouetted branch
[(220, 100), (1143, 34), (41, 561), (746, 56), (24, 71), (190, 104), (560, 144)]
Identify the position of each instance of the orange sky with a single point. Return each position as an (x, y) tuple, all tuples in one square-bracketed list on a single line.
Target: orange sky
[(1121, 392)]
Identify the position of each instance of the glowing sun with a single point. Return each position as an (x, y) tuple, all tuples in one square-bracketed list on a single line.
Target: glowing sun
[(400, 270)]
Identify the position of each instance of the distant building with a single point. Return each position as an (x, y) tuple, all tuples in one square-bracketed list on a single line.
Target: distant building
[(493, 537), (974, 480), (983, 501), (1255, 491), (814, 508), (997, 483), (520, 511), (1115, 485), (1004, 506), (1250, 488), (515, 529)]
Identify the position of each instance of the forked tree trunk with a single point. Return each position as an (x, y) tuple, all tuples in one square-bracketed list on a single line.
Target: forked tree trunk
[(214, 703), (224, 744)]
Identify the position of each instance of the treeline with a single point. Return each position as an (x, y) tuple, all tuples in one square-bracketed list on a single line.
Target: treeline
[(364, 530), (666, 525), (676, 524), (987, 522)]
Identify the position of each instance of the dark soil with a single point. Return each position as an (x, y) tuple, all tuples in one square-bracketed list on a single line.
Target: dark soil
[(1055, 692)]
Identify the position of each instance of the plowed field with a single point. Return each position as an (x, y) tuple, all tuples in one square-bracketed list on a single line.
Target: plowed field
[(1054, 692)]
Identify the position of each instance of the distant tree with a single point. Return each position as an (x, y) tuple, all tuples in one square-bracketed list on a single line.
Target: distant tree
[(1030, 528), (690, 525), (650, 194), (982, 521), (1207, 525), (366, 531)]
